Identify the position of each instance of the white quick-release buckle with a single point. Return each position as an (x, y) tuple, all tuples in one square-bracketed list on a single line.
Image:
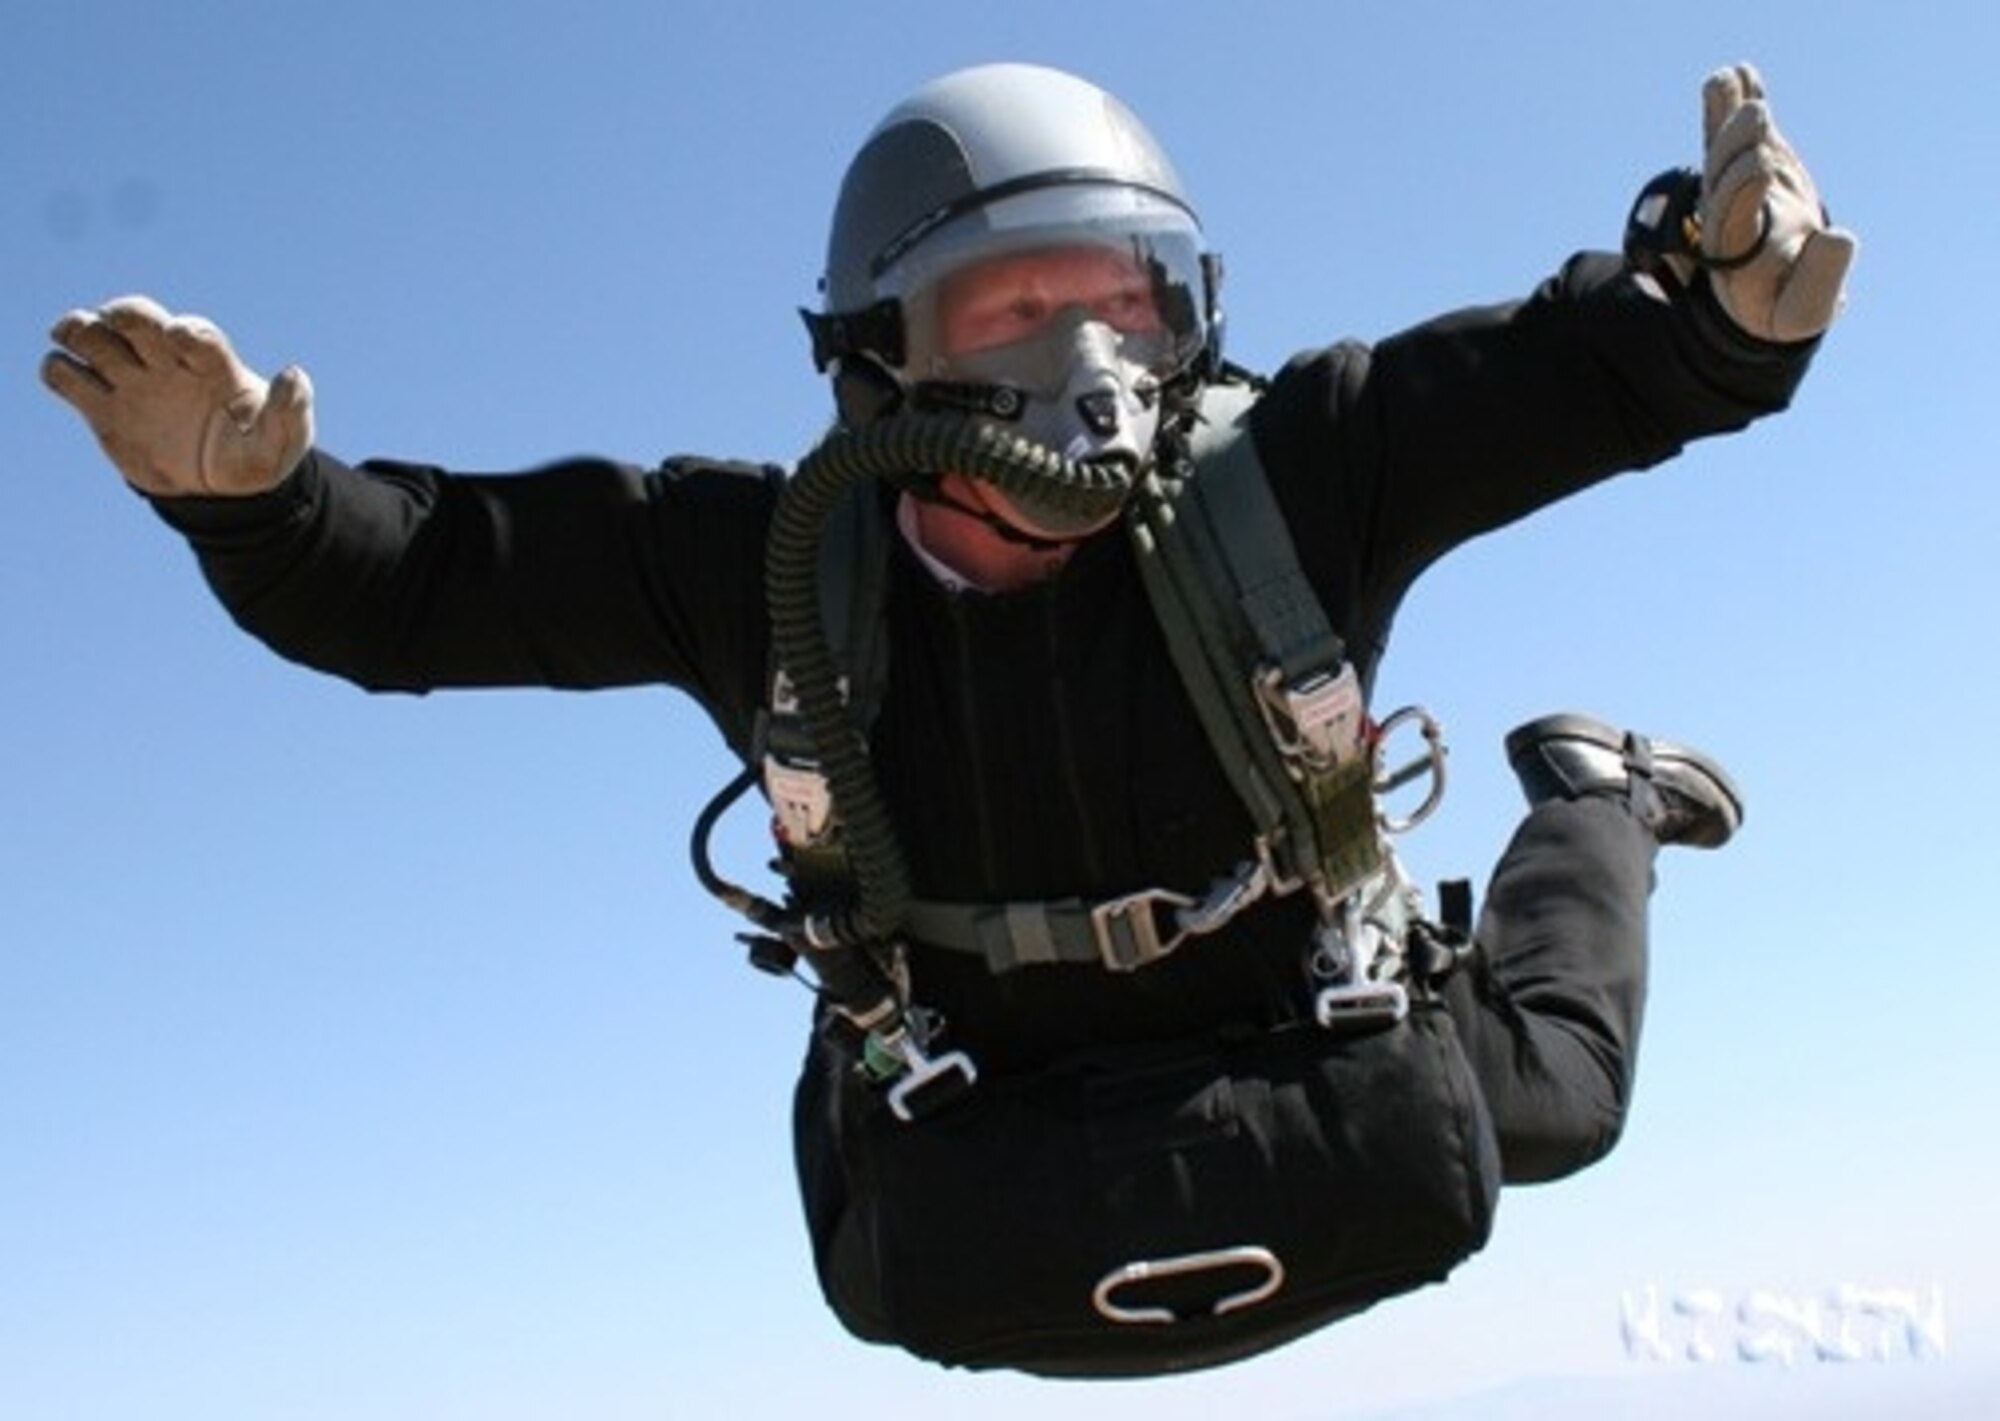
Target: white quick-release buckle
[(931, 1082), (1358, 952), (919, 1083), (1128, 932)]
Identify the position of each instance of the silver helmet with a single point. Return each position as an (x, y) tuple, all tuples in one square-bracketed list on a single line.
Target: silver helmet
[(1001, 161)]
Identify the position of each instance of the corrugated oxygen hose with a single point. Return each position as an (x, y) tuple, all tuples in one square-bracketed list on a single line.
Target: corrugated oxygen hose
[(906, 450)]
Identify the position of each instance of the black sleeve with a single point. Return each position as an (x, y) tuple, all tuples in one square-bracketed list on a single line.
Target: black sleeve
[(585, 574), (1386, 458)]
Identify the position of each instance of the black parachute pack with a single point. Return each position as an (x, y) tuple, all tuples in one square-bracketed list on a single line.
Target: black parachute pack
[(1151, 1208)]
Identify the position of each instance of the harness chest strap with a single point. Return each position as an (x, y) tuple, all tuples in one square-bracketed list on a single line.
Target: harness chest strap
[(1119, 934)]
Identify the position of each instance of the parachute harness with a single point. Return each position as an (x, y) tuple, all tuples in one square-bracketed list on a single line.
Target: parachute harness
[(1292, 733)]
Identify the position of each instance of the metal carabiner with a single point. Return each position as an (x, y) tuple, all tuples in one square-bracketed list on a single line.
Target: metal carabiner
[(1246, 1256)]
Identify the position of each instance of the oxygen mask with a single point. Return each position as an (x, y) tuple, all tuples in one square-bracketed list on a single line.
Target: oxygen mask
[(1077, 385)]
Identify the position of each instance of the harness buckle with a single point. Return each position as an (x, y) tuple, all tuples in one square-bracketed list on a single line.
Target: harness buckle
[(1127, 931), (1315, 720), (1361, 1006), (924, 1084), (925, 1089), (1128, 934), (1358, 953)]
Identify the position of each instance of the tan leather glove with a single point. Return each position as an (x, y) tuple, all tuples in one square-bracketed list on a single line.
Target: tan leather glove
[(171, 404), (1773, 262)]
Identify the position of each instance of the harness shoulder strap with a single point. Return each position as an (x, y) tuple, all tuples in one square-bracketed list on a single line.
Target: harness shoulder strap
[(853, 580), (1267, 673)]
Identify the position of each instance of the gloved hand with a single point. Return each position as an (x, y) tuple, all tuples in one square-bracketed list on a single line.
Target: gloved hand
[(1773, 262), (171, 404)]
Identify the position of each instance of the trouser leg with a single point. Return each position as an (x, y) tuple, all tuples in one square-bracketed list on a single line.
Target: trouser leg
[(1550, 1003)]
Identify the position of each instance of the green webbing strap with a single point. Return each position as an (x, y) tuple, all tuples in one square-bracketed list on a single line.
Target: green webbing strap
[(1196, 640), (1220, 568), (1245, 543), (853, 581), (1010, 935), (1217, 544)]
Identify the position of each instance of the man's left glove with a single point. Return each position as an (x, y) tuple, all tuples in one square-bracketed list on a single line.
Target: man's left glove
[(1773, 261), (172, 406)]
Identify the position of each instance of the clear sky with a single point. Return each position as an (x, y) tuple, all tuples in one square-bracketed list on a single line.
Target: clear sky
[(378, 1057)]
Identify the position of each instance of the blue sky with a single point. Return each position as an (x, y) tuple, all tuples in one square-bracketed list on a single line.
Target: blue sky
[(378, 1056)]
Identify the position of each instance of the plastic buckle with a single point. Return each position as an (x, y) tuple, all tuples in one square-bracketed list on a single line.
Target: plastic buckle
[(1361, 1006), (1127, 933), (927, 1083), (1350, 953)]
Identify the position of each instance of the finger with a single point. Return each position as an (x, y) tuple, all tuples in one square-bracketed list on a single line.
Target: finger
[(135, 307), (1725, 91), (1747, 131), (273, 430), (1740, 166), (286, 428), (142, 321), (75, 383), (202, 348), (1721, 96), (1733, 229), (1811, 295), (85, 336)]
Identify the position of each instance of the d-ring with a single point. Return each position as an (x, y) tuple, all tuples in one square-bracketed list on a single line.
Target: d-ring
[(1431, 763)]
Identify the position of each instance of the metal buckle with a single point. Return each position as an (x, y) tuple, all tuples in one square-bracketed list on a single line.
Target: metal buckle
[(1103, 1297), (1315, 721), (1127, 933), (1227, 897)]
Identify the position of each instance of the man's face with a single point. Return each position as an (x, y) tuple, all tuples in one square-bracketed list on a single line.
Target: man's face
[(1014, 298), (1078, 331)]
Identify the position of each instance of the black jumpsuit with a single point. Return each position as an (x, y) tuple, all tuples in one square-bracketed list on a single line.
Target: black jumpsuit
[(1037, 744)]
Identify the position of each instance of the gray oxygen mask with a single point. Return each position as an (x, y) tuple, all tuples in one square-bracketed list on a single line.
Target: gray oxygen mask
[(1078, 386)]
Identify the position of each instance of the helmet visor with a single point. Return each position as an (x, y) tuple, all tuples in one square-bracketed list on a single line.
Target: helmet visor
[(1129, 257)]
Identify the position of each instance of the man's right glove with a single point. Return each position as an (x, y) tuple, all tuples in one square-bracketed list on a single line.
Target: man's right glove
[(1773, 261), (171, 404)]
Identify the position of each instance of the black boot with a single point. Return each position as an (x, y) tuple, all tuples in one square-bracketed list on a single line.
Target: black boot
[(1680, 794)]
